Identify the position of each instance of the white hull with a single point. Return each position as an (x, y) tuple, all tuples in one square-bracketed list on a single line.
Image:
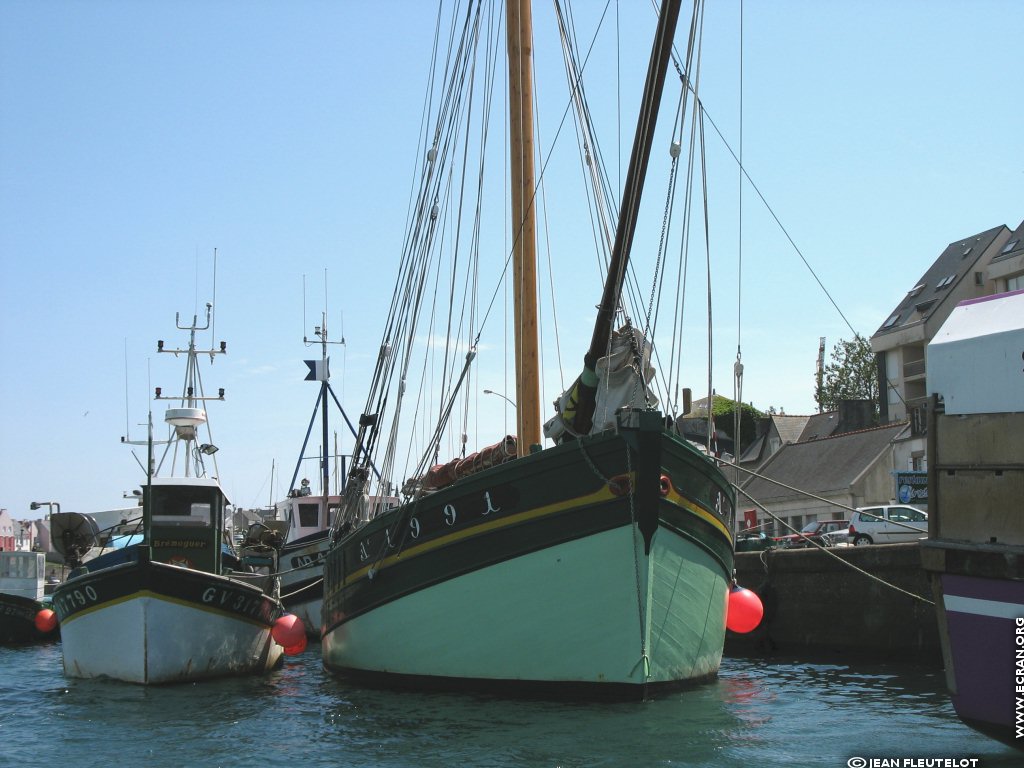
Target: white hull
[(569, 614), (309, 611), (148, 639), (302, 586)]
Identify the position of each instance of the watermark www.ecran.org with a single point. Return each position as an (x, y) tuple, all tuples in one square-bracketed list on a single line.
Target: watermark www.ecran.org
[(1018, 678), (913, 762), (962, 762)]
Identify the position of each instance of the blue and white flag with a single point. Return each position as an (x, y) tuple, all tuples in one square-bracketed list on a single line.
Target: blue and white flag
[(317, 370)]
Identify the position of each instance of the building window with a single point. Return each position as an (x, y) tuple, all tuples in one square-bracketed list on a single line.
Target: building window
[(1015, 283), (945, 282), (1010, 246), (979, 278)]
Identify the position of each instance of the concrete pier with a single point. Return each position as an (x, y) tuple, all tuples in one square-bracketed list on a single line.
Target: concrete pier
[(815, 603)]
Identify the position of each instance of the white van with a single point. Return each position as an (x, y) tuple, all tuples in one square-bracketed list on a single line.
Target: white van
[(887, 524)]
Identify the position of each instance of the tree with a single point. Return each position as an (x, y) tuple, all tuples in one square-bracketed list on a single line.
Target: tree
[(723, 410), (852, 375)]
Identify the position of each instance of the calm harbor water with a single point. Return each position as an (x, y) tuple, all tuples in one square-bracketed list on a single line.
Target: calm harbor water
[(758, 713)]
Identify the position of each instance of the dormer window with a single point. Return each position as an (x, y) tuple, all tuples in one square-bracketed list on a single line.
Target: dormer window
[(893, 319), (1010, 246)]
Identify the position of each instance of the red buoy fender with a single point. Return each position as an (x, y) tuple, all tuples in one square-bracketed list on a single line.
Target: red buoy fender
[(288, 630), (299, 647), (46, 621), (744, 611)]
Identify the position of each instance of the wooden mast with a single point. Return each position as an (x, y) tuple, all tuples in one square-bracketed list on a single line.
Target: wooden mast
[(519, 25)]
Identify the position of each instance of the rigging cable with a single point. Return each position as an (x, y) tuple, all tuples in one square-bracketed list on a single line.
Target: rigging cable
[(540, 176), (707, 255), (737, 369), (785, 232), (687, 83), (428, 229), (829, 552), (693, 52), (413, 267)]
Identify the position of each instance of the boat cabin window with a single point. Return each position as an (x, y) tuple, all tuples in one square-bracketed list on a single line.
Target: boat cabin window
[(180, 506), (332, 513), (309, 515), (193, 514)]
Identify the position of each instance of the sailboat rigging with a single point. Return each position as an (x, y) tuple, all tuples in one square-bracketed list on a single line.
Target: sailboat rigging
[(599, 566)]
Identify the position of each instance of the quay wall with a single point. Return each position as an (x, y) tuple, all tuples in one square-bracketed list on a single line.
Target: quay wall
[(815, 603)]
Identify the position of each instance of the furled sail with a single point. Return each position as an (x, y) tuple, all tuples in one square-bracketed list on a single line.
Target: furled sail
[(623, 379)]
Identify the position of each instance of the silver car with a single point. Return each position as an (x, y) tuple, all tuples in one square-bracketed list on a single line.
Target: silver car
[(887, 524)]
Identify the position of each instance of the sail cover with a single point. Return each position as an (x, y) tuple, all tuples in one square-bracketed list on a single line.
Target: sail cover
[(619, 384)]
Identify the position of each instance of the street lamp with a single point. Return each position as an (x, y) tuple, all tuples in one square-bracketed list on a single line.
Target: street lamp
[(49, 504), (492, 392)]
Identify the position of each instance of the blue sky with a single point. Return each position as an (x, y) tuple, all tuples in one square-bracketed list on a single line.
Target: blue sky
[(135, 138)]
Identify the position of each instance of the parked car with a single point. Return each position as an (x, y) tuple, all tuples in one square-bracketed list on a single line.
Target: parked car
[(823, 532), (839, 538), (754, 542), (887, 524)]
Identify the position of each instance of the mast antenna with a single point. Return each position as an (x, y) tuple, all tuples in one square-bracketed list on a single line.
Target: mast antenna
[(213, 320), (127, 428)]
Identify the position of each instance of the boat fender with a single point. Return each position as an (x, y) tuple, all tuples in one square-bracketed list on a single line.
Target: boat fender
[(288, 631), (299, 647), (46, 621), (744, 610)]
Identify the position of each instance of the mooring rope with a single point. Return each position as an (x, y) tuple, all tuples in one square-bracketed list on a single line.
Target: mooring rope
[(303, 588)]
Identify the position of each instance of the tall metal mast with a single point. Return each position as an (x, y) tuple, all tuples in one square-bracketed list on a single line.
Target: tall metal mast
[(324, 377)]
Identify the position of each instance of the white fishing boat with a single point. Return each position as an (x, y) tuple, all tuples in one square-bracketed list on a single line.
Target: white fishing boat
[(302, 556), (599, 567), (176, 605)]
